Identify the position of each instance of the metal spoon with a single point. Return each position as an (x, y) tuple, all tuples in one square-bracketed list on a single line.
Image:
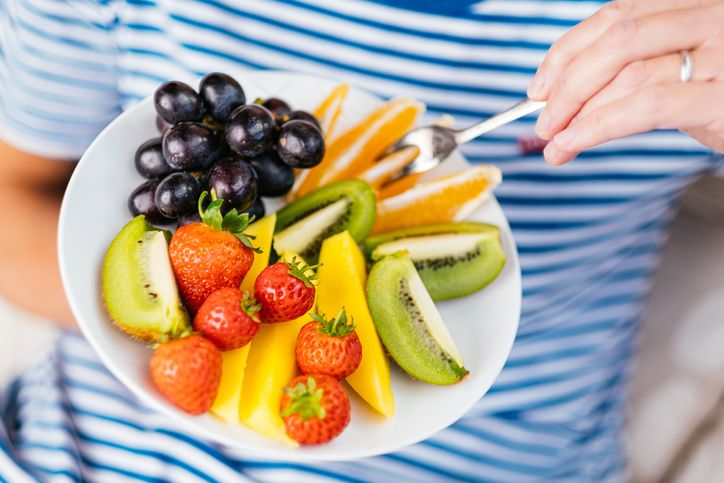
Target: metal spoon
[(436, 143)]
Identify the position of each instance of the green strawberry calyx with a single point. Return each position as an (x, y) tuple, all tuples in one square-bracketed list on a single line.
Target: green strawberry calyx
[(233, 221), (302, 271), (250, 306), (339, 326), (306, 400), (186, 332)]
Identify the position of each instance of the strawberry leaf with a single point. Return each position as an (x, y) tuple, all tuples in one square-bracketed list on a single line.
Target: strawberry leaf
[(306, 400), (339, 326), (302, 271), (212, 214), (250, 306), (233, 221)]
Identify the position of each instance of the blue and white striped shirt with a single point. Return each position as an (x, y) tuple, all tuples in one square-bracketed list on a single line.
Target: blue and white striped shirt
[(589, 234)]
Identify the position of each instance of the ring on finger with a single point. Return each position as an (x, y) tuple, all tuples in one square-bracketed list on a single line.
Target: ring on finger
[(687, 66)]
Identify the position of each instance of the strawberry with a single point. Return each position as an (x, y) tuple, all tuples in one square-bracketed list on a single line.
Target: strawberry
[(228, 318), (187, 372), (210, 254), (315, 409), (285, 290), (329, 347)]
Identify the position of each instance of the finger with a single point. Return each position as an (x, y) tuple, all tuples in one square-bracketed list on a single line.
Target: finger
[(708, 137), (624, 42), (662, 106), (708, 64), (580, 37)]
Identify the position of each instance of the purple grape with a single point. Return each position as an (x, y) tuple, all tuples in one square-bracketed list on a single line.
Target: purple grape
[(191, 146), (177, 102), (142, 202), (234, 181), (300, 144), (250, 130), (221, 95), (149, 160), (177, 194)]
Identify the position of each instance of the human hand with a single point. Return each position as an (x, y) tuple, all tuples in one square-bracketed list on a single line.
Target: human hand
[(617, 73)]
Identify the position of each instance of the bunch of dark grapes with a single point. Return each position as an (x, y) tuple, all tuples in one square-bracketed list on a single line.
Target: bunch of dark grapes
[(213, 139)]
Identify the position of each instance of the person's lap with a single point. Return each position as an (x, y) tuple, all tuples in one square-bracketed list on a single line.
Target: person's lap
[(69, 419)]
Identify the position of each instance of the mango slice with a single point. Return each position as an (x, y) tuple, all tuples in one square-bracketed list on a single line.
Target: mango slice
[(226, 404), (263, 230), (270, 366), (342, 279)]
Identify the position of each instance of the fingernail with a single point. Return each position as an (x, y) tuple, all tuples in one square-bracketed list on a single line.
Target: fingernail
[(549, 153), (553, 154), (535, 90), (565, 139), (544, 124)]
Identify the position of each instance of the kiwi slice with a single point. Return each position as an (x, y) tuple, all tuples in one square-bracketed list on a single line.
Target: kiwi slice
[(453, 259), (304, 224), (139, 287), (409, 324)]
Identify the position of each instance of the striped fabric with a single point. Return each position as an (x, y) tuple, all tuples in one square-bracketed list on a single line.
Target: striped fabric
[(589, 233)]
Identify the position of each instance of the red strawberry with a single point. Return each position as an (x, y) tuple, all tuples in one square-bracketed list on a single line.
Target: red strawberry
[(285, 291), (315, 409), (329, 347), (228, 318), (211, 254), (187, 372)]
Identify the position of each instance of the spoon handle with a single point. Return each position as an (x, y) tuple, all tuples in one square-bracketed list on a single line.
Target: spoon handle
[(522, 108)]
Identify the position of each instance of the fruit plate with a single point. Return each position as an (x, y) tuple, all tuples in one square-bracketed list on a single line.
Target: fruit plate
[(94, 210)]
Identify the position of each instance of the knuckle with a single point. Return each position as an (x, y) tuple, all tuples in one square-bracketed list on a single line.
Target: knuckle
[(556, 55), (634, 74), (606, 15), (598, 126), (621, 34), (623, 8), (654, 101), (563, 84)]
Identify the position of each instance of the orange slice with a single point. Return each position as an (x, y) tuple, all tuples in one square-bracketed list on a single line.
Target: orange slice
[(399, 186), (380, 172), (356, 150), (450, 198), (329, 110)]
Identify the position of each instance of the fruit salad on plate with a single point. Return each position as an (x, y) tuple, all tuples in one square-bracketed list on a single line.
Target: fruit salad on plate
[(270, 319)]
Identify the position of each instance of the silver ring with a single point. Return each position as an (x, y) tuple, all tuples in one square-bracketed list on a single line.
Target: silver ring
[(686, 66)]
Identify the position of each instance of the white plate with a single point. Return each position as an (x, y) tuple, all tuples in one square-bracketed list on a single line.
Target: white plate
[(94, 210)]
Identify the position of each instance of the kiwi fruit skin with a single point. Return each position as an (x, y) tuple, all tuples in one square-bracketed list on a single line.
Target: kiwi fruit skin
[(145, 305), (358, 218), (409, 324), (448, 274)]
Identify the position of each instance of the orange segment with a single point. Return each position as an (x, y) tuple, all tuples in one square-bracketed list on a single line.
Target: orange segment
[(450, 198), (380, 172), (399, 186), (329, 110), (355, 150)]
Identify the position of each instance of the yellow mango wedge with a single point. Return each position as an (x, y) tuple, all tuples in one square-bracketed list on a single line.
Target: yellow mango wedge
[(342, 279), (263, 231), (226, 404), (271, 365)]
